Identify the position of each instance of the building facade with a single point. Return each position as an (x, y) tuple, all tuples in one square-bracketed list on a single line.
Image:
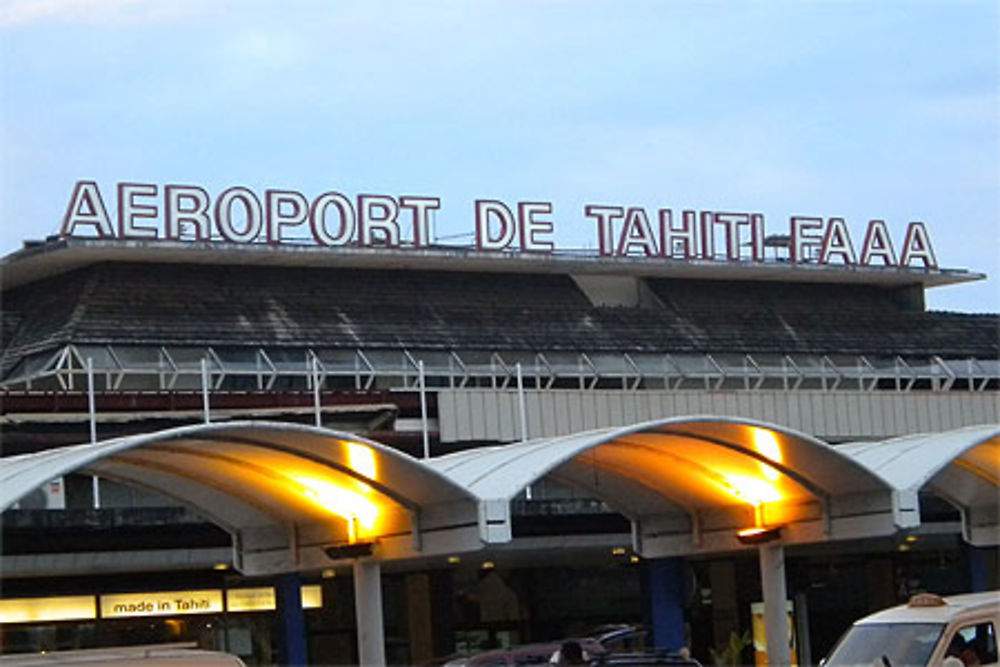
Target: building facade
[(439, 350)]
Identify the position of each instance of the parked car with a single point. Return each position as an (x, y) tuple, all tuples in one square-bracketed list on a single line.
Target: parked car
[(652, 658), (599, 643), (158, 655), (528, 654), (620, 638), (928, 630)]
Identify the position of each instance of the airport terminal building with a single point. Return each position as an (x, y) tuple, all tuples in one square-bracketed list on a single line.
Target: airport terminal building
[(443, 351)]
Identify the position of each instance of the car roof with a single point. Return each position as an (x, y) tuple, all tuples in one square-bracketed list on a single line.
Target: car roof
[(929, 608)]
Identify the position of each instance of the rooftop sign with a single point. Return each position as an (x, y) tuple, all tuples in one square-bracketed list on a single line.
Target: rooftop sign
[(238, 215)]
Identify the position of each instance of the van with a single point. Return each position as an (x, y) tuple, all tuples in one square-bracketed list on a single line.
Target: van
[(928, 630), (158, 655)]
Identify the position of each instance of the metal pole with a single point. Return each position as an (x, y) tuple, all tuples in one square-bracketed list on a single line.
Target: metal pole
[(92, 410), (520, 401), (524, 417), (225, 613), (316, 401), (423, 410), (772, 581), (204, 390)]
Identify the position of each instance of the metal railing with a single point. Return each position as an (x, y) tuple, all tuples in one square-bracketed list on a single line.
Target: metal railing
[(273, 369)]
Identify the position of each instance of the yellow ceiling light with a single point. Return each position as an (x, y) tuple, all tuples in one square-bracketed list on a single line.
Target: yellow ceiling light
[(361, 459), (766, 444), (359, 512), (758, 534)]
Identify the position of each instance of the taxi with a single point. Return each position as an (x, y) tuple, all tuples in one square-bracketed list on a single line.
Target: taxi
[(929, 630)]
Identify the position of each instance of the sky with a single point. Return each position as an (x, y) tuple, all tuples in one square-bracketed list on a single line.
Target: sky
[(861, 110)]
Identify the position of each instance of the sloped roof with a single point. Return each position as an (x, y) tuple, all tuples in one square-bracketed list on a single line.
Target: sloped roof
[(169, 304)]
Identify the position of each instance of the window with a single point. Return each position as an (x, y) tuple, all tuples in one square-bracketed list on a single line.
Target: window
[(975, 644)]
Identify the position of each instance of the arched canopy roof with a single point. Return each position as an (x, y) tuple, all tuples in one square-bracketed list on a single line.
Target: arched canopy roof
[(688, 484), (961, 466), (285, 492)]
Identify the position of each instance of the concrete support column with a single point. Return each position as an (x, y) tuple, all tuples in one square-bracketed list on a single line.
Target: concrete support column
[(291, 620), (368, 610), (772, 582), (663, 598)]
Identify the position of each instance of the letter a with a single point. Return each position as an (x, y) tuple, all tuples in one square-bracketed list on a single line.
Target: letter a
[(917, 245), (87, 208)]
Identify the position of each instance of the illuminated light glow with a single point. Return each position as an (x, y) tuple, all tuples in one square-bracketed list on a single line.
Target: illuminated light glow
[(911, 538), (633, 559), (355, 508), (221, 566), (454, 560), (312, 597), (263, 598), (766, 444), (32, 610), (163, 603), (753, 490), (250, 599), (488, 565), (758, 534), (751, 532), (618, 551), (328, 574), (361, 459)]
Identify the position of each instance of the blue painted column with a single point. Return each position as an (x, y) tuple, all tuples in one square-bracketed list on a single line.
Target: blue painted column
[(291, 620), (978, 575), (663, 598)]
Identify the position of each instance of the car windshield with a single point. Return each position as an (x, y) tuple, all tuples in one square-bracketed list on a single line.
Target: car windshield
[(874, 643)]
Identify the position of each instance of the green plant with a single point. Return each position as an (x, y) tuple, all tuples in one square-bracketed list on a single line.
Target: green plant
[(731, 653)]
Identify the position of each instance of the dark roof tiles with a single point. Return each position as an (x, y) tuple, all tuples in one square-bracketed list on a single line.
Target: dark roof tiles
[(202, 305)]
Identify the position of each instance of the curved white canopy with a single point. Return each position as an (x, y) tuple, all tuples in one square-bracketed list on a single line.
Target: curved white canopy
[(285, 492), (961, 466), (689, 484)]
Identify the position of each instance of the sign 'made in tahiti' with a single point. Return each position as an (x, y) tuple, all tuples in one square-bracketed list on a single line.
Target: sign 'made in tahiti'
[(238, 215)]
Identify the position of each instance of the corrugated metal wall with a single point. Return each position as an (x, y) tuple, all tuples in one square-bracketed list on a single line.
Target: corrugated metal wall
[(488, 414)]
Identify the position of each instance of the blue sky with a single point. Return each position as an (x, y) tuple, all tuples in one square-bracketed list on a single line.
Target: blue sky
[(854, 109)]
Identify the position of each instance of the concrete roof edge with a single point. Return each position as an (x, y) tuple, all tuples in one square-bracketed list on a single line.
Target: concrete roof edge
[(59, 255)]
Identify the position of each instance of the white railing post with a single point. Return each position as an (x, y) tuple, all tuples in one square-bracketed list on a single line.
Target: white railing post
[(204, 391), (92, 412), (317, 406), (423, 410)]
